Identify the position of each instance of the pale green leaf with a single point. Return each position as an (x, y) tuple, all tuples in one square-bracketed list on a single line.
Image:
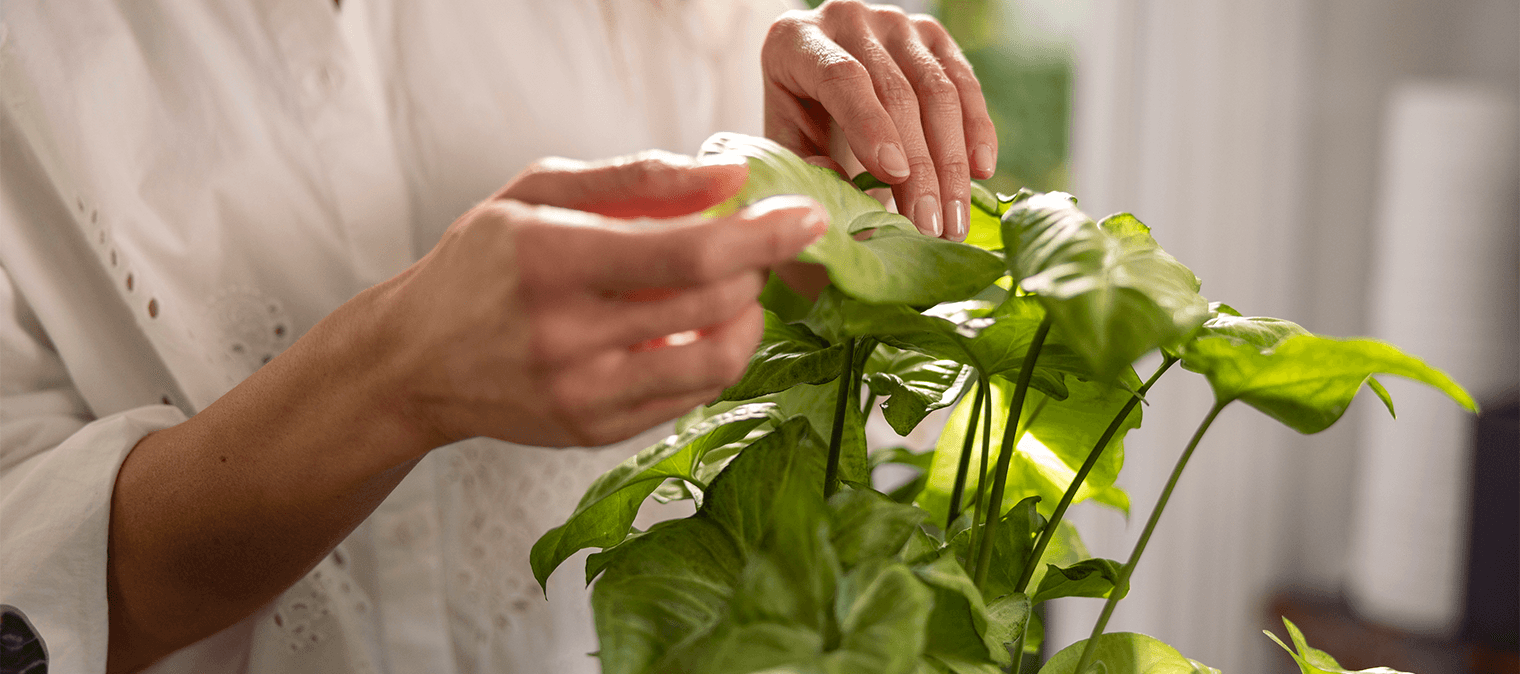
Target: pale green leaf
[(914, 384), (1306, 381), (1087, 578), (896, 264), (1314, 661), (1124, 653), (675, 580), (1057, 437), (789, 354), (607, 510), (1113, 291)]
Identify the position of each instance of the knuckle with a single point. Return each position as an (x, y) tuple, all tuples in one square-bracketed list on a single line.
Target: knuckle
[(956, 166), (896, 93), (843, 70), (933, 84), (653, 172), (964, 80), (929, 26), (785, 30), (843, 8)]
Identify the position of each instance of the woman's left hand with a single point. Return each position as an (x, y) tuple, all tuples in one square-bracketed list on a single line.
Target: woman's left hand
[(904, 96)]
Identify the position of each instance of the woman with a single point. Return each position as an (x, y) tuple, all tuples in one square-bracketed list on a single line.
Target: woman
[(243, 420)]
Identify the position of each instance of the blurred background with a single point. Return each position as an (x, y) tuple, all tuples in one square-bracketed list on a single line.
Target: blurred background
[(1347, 164)]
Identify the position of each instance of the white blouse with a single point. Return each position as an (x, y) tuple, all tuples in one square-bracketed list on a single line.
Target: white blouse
[(188, 187)]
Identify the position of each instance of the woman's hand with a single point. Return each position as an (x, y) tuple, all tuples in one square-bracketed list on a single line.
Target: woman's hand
[(542, 317), (904, 96), (539, 308)]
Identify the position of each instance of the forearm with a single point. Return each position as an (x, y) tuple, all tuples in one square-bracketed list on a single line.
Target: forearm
[(215, 517)]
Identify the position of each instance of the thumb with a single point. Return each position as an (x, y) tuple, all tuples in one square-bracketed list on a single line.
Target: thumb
[(648, 184)]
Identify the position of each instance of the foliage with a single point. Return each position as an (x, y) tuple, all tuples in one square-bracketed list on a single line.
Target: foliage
[(794, 562)]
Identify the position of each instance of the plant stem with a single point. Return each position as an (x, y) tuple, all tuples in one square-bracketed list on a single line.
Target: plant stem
[(846, 375), (870, 402), (1121, 585), (1076, 482), (1018, 646), (958, 493), (1005, 454), (981, 482)]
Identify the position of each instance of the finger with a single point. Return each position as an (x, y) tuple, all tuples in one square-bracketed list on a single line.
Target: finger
[(981, 135), (569, 251), (607, 430), (825, 161), (561, 335), (805, 63), (649, 184), (715, 361), (938, 104), (917, 197)]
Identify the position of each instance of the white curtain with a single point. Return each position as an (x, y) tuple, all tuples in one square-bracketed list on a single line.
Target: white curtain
[(1247, 135)]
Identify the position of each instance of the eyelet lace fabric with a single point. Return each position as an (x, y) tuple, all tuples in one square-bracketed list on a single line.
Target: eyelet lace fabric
[(497, 500)]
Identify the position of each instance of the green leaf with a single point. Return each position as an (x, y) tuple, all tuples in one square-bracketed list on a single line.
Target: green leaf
[(1011, 546), (779, 298), (816, 403), (985, 228), (789, 354), (1305, 381), (1126, 653), (883, 611), (1058, 435), (869, 527), (993, 340), (914, 384), (960, 626), (607, 510), (1314, 661), (895, 265), (675, 580), (1113, 291), (1087, 578)]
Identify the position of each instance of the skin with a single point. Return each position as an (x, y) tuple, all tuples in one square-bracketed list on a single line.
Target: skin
[(542, 317), (898, 88)]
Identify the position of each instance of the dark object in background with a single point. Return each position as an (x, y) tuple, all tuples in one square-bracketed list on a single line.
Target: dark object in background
[(1491, 620), (21, 650), (1489, 641)]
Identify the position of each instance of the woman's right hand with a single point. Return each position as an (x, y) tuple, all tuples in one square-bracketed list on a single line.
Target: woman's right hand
[(542, 317), (539, 317)]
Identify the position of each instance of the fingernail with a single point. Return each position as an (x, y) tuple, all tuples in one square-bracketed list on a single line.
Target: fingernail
[(957, 220), (926, 213), (720, 159), (892, 160), (981, 160)]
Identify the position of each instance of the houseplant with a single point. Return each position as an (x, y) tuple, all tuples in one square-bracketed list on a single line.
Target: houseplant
[(793, 562)]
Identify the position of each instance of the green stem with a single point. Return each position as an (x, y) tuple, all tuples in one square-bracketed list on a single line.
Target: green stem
[(958, 493), (846, 375), (870, 402), (981, 482), (1121, 585), (1018, 647), (1076, 482), (1005, 454)]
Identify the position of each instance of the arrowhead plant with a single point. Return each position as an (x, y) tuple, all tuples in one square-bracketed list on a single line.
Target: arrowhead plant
[(795, 562)]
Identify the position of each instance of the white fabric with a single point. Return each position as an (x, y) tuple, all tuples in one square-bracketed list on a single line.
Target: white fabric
[(188, 187)]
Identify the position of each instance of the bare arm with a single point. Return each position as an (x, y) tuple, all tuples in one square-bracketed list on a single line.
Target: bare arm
[(522, 324)]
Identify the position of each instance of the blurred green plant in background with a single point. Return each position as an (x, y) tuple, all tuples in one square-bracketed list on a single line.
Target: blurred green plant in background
[(1020, 50), (1027, 86)]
